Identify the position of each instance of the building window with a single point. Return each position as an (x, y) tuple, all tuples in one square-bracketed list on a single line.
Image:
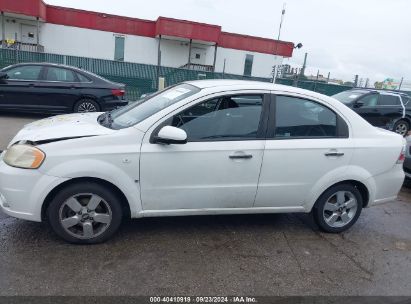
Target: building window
[(119, 48), (248, 66)]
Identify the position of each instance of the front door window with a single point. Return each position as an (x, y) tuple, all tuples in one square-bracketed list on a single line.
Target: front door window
[(222, 118)]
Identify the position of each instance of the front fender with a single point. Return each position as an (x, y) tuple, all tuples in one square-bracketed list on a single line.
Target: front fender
[(119, 176)]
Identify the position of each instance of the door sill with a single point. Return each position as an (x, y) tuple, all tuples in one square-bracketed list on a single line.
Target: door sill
[(217, 211)]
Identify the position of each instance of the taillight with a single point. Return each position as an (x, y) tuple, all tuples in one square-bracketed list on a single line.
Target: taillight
[(118, 92), (401, 158)]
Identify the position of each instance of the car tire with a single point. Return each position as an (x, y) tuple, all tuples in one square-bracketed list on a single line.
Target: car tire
[(338, 208), (402, 127), (85, 213), (86, 105)]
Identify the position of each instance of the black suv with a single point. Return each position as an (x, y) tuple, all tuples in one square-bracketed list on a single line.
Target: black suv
[(385, 109)]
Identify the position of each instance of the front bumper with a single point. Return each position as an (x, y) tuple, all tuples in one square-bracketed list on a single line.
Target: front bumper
[(23, 191)]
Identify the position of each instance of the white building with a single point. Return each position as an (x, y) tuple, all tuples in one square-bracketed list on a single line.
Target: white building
[(35, 26)]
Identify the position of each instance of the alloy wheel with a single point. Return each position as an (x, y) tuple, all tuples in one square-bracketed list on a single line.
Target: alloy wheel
[(85, 107), (401, 129), (85, 216), (340, 209)]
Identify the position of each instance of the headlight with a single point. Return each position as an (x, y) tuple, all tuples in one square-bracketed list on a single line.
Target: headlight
[(24, 156)]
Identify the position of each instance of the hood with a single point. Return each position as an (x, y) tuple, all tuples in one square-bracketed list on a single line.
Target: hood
[(62, 126)]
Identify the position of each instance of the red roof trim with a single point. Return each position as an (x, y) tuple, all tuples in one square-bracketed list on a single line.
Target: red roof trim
[(31, 8), (133, 26), (256, 44), (100, 21), (187, 29)]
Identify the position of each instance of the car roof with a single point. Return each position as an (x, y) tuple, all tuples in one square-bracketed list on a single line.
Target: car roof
[(245, 85), (48, 64), (379, 91)]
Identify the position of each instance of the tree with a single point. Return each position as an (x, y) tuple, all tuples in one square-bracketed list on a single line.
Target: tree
[(378, 85)]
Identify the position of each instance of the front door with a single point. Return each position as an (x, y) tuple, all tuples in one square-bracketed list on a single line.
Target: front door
[(367, 108), (307, 144), (20, 90), (220, 164)]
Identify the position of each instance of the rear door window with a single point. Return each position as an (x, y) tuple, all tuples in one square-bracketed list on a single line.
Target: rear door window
[(60, 75), (302, 118), (389, 100)]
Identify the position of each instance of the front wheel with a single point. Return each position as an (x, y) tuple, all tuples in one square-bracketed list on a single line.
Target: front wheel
[(85, 213), (402, 127), (338, 208)]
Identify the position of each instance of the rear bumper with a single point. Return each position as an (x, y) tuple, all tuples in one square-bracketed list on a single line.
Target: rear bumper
[(22, 192), (407, 166)]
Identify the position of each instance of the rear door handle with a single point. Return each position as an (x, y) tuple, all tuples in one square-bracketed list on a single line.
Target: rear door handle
[(241, 156), (334, 154)]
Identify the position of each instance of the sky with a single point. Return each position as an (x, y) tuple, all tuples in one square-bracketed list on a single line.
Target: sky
[(370, 38)]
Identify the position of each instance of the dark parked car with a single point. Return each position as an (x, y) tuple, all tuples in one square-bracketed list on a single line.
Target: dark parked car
[(385, 109), (407, 161), (53, 88)]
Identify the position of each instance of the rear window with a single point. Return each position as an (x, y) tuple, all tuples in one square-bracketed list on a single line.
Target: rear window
[(348, 97)]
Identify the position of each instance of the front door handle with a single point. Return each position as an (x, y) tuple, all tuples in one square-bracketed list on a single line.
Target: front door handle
[(241, 156)]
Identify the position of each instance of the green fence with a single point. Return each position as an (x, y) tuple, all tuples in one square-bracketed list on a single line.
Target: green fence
[(320, 87), (142, 78), (138, 78)]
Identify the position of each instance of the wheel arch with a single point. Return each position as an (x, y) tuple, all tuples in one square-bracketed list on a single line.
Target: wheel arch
[(362, 188), (123, 199)]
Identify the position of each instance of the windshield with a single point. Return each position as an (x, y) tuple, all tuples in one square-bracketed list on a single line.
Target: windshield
[(137, 112), (348, 97)]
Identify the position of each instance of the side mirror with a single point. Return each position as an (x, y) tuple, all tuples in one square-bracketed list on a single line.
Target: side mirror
[(3, 77), (358, 104), (171, 135)]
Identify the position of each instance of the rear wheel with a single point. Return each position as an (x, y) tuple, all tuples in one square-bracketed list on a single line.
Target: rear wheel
[(338, 208), (86, 105), (85, 213), (402, 127)]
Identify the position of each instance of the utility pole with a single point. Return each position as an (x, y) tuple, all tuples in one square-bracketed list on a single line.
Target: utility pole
[(356, 81), (302, 71), (276, 44), (399, 87)]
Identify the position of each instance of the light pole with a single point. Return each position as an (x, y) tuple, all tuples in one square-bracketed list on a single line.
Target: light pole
[(276, 44)]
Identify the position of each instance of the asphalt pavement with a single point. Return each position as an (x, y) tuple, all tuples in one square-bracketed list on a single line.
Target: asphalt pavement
[(280, 254)]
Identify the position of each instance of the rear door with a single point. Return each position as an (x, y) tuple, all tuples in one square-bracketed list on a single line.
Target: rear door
[(390, 109), (307, 145), (20, 91), (59, 90)]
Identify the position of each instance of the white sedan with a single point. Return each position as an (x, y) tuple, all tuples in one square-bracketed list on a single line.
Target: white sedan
[(202, 147)]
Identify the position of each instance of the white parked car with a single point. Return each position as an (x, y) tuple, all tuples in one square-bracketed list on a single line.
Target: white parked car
[(202, 147)]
